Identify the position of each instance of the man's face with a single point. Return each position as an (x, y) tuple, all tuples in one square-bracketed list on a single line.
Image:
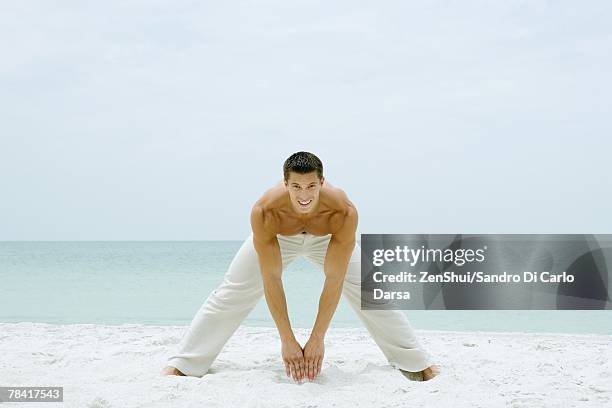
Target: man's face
[(304, 191)]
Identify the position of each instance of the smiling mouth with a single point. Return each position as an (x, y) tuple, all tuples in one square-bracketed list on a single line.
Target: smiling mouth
[(304, 203)]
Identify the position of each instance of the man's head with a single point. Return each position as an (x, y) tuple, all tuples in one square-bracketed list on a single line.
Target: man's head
[(303, 174)]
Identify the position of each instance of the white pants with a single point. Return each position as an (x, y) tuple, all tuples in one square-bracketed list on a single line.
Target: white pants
[(228, 305)]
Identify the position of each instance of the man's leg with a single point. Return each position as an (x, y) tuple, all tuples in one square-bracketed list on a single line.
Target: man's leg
[(390, 329), (225, 308)]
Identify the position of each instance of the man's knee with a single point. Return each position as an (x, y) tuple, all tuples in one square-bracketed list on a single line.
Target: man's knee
[(236, 294)]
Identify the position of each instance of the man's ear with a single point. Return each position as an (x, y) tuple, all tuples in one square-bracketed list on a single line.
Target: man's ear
[(322, 180)]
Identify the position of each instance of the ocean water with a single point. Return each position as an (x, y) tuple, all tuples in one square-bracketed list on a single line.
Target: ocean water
[(165, 283)]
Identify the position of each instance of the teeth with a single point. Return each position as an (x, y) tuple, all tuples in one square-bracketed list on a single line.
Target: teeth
[(304, 202)]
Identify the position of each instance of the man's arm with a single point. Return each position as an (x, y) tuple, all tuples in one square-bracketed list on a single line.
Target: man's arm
[(338, 254), (271, 266)]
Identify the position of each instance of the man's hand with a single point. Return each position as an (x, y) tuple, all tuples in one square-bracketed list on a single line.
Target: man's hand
[(313, 356), (293, 358)]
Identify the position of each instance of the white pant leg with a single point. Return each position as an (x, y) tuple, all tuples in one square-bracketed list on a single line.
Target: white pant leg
[(226, 307), (390, 329)]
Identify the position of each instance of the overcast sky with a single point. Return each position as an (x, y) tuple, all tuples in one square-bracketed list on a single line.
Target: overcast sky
[(166, 120)]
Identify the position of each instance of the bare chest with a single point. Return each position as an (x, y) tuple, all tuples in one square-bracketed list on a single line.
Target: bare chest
[(320, 225)]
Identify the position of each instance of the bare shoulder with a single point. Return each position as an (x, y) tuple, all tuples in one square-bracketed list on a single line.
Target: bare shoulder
[(272, 196), (337, 199), (345, 217), (264, 220)]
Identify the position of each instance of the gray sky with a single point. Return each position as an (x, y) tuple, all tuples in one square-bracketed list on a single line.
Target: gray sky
[(165, 120)]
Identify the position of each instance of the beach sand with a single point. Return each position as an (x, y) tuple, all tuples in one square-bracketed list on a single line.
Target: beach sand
[(119, 366)]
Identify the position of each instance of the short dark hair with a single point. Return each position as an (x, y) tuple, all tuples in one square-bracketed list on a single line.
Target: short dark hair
[(302, 163)]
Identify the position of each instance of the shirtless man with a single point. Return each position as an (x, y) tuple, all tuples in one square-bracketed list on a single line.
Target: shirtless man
[(303, 210)]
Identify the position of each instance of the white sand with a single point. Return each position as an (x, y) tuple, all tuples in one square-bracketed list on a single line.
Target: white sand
[(118, 366)]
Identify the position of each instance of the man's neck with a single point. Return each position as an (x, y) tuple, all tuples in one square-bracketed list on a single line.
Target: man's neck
[(308, 216)]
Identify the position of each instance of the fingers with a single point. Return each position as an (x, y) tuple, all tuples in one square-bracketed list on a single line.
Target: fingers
[(312, 366), (296, 369), (292, 369), (311, 369), (301, 369)]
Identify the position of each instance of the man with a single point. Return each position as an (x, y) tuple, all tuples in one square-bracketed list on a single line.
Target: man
[(302, 215)]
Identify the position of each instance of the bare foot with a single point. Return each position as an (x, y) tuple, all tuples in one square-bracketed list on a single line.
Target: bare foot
[(431, 372), (171, 371), (426, 374), (412, 375)]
